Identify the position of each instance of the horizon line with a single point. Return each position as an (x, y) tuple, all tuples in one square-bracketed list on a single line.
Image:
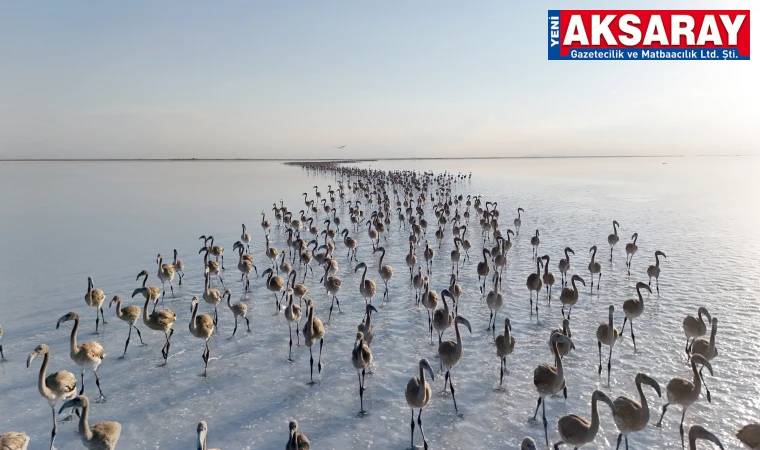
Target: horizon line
[(353, 159)]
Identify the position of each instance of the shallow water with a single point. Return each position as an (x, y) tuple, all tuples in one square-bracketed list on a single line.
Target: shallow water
[(63, 222)]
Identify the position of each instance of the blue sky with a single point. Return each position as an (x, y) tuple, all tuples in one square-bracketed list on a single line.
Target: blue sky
[(393, 78)]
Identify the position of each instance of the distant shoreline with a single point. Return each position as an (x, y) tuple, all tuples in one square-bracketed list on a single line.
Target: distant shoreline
[(349, 160)]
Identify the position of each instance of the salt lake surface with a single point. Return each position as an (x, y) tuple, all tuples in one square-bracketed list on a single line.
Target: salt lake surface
[(63, 222)]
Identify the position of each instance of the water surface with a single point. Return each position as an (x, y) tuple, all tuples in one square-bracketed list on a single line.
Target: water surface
[(63, 222)]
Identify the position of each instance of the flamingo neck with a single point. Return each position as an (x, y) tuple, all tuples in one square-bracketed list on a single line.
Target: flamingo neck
[(41, 385), (713, 332), (643, 400), (193, 327), (697, 378), (84, 426), (360, 347), (293, 442), (145, 309), (73, 341), (558, 362), (594, 428), (119, 313)]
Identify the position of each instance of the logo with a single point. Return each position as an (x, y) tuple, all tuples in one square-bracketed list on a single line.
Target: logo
[(648, 34)]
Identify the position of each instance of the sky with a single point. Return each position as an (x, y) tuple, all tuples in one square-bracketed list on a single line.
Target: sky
[(250, 79)]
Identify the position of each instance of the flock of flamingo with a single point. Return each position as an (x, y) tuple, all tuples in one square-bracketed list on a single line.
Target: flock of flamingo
[(375, 199)]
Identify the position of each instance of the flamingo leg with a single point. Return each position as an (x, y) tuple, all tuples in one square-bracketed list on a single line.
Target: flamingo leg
[(311, 363), (422, 432), (205, 356), (290, 351), (319, 365), (609, 365), (664, 409), (127, 344), (55, 428), (599, 343), (709, 399), (139, 335), (451, 385), (531, 303), (633, 337), (657, 282), (361, 392), (543, 413), (168, 344), (412, 426), (102, 397)]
